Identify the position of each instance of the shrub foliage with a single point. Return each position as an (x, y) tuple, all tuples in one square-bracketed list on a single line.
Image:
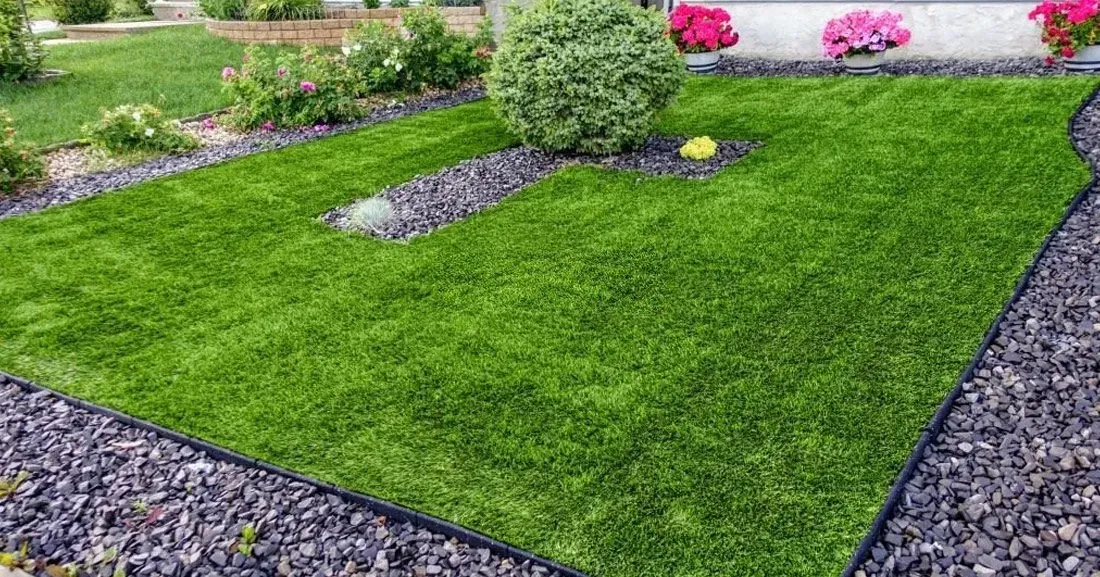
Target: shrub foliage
[(17, 162), (139, 128), (584, 75), (223, 9), (20, 53), (81, 11), (274, 10)]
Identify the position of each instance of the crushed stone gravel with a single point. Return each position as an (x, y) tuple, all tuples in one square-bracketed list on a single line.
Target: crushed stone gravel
[(1011, 485), (741, 66), (429, 202), (84, 185), (105, 496)]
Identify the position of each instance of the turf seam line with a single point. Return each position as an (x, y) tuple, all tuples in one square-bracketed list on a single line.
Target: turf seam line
[(390, 509), (933, 428)]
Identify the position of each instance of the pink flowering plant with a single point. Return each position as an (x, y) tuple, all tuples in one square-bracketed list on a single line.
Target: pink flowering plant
[(290, 90), (1068, 26), (863, 32), (701, 29)]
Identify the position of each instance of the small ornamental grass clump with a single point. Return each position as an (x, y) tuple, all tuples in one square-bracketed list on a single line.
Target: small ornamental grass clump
[(425, 52), (18, 162), (584, 75), (699, 148), (137, 129), (863, 32), (371, 214), (21, 54), (290, 90), (701, 29), (1068, 26)]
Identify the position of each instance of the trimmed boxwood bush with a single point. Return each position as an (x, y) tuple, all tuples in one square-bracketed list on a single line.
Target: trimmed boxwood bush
[(81, 11), (584, 75)]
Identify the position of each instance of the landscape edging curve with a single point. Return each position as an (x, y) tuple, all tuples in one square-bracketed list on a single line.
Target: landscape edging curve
[(379, 506), (932, 430)]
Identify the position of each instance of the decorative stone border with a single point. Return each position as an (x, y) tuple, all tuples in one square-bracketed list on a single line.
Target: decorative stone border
[(998, 370), (201, 495), (330, 30)]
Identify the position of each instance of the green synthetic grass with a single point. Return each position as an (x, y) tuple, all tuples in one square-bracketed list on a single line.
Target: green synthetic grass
[(635, 376), (176, 69)]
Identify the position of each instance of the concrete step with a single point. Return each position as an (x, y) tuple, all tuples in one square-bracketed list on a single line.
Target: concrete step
[(118, 29)]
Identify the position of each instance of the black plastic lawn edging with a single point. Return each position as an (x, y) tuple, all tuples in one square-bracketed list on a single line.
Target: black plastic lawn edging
[(932, 430), (393, 511)]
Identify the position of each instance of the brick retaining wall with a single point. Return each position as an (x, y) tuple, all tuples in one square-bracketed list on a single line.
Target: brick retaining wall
[(330, 30)]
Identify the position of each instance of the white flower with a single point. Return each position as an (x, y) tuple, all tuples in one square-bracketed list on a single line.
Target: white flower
[(345, 50), (357, 47), (386, 62), (137, 116), (149, 132), (398, 67)]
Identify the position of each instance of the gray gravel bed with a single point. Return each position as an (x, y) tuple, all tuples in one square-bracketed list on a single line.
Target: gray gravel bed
[(1011, 485), (105, 495), (76, 188), (429, 202), (741, 66)]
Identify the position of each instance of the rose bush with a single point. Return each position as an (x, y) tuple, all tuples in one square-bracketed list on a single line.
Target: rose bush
[(863, 32), (139, 128), (18, 162), (1068, 26), (701, 29)]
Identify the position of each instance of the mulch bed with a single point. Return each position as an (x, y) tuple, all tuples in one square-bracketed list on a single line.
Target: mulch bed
[(429, 202), (1011, 486)]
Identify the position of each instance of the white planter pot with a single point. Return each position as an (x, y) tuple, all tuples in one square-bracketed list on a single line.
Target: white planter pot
[(702, 62), (1087, 59), (863, 64)]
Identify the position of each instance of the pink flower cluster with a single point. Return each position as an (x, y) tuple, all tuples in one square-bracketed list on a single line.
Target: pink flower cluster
[(701, 29), (1068, 26), (863, 32)]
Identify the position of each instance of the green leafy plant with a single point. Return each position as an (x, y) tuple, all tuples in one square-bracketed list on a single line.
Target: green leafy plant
[(20, 559), (372, 4), (584, 75), (274, 10), (138, 128), (10, 486), (291, 90), (223, 9), (139, 506), (21, 54), (399, 3), (699, 148), (246, 540), (453, 3), (18, 162), (428, 53), (81, 11)]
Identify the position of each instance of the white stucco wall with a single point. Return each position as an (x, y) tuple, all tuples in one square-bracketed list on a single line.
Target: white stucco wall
[(940, 29)]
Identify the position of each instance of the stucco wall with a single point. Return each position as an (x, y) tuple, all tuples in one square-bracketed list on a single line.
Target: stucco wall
[(940, 30), (786, 29)]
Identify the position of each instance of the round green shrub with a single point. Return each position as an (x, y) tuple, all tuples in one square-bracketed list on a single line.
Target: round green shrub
[(81, 11), (584, 75)]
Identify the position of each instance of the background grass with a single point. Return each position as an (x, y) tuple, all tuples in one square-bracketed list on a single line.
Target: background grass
[(636, 376), (177, 69)]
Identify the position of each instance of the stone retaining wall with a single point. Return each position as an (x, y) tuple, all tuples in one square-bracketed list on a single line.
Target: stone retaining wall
[(330, 30)]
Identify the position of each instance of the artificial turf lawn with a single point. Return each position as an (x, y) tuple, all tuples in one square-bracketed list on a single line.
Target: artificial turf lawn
[(177, 69), (635, 376)]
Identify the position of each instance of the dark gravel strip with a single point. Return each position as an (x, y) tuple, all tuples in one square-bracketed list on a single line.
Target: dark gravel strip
[(104, 495), (429, 202), (1010, 486), (740, 66), (72, 189)]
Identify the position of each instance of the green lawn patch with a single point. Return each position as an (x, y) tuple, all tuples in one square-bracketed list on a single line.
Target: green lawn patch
[(177, 69), (635, 376)]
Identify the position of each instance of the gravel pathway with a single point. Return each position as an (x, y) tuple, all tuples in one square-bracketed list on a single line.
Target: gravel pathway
[(104, 495), (1011, 485), (78, 187), (429, 202), (740, 66)]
